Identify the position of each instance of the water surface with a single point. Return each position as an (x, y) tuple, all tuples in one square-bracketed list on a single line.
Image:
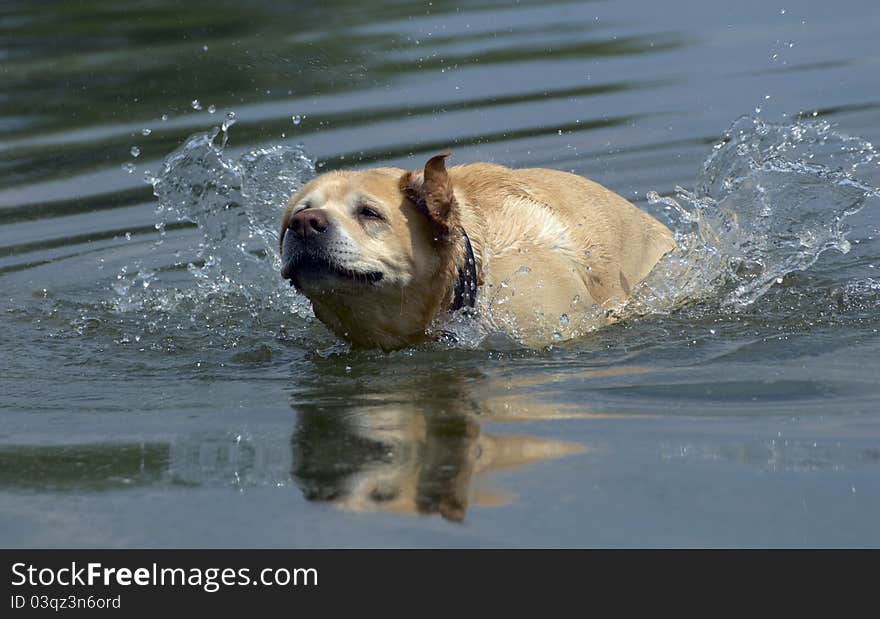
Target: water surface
[(160, 386)]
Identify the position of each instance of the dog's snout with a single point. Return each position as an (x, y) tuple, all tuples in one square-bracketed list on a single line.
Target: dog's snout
[(309, 223)]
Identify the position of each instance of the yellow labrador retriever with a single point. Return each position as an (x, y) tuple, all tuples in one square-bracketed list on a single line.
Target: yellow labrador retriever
[(386, 255)]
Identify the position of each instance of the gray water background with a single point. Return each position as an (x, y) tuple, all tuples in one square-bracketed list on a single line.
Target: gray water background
[(158, 387)]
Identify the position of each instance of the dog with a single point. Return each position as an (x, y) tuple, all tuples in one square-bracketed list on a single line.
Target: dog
[(386, 255)]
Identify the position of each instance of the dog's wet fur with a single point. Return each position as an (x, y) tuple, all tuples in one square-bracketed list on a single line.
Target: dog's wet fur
[(378, 252)]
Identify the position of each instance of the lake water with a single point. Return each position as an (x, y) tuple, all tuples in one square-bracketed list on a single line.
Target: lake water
[(161, 386)]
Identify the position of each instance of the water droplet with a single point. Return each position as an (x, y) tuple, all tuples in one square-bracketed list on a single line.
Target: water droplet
[(128, 167), (296, 118), (211, 109), (712, 331), (146, 131), (559, 132), (563, 320), (230, 120), (204, 48), (196, 104), (778, 280), (135, 151), (128, 236), (164, 117), (782, 11)]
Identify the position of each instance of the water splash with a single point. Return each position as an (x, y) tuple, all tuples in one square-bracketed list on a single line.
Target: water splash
[(770, 199), (236, 204), (222, 291)]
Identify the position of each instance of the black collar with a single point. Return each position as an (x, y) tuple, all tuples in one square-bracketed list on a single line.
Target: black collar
[(465, 290)]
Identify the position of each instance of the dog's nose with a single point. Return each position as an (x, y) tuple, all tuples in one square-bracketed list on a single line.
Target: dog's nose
[(309, 223)]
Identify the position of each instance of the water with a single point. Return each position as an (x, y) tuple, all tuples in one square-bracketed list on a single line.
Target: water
[(161, 386)]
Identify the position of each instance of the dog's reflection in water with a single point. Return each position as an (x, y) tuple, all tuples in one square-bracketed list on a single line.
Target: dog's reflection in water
[(407, 458)]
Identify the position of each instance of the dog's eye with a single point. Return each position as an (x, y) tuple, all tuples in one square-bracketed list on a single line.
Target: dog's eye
[(383, 495), (368, 213)]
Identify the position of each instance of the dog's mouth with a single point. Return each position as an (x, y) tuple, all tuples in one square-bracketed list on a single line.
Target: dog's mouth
[(314, 268)]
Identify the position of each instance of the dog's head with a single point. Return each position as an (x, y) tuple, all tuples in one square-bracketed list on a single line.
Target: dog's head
[(374, 250)]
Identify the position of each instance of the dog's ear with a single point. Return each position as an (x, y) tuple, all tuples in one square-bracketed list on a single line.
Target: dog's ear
[(430, 190)]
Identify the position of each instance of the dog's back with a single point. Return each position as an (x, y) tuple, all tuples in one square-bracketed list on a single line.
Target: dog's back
[(555, 244)]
